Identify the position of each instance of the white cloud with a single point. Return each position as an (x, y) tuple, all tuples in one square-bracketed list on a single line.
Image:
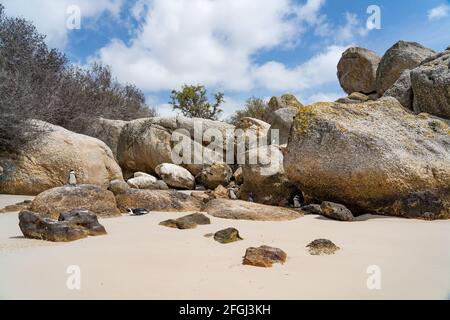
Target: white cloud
[(351, 29), (439, 12), (319, 70), (208, 42), (322, 97), (50, 16)]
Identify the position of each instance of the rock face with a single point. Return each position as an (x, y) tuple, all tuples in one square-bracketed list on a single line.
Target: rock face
[(227, 235), (322, 247), (71, 226), (47, 162), (402, 90), (431, 82), (214, 175), (264, 256), (157, 200), (176, 176), (400, 57), (357, 70), (282, 120), (267, 180), (336, 211), (87, 197), (238, 176), (107, 131), (372, 157), (243, 210), (187, 222), (84, 219)]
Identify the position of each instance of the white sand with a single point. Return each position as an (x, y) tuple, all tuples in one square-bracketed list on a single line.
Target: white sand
[(139, 259)]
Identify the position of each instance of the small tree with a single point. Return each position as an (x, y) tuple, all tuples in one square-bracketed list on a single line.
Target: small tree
[(254, 108), (192, 101)]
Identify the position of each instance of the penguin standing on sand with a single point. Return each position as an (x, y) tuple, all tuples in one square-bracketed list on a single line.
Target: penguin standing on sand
[(72, 178), (251, 197)]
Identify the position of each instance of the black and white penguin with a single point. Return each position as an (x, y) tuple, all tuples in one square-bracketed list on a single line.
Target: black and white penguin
[(251, 197), (297, 203), (72, 178), (137, 211)]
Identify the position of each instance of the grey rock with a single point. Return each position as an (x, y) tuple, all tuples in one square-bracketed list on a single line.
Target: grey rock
[(336, 211), (402, 90)]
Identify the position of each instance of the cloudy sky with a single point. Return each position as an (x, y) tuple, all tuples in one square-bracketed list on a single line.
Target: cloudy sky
[(243, 48)]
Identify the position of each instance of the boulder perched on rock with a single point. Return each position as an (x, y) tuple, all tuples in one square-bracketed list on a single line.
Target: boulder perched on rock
[(357, 70), (431, 82), (336, 211), (355, 97), (157, 200), (400, 57), (47, 161), (243, 210), (227, 235), (266, 179), (144, 182), (107, 131), (285, 101), (320, 247), (118, 186), (176, 176), (214, 175), (34, 226), (370, 157), (187, 222), (84, 219), (87, 197), (402, 90), (264, 256)]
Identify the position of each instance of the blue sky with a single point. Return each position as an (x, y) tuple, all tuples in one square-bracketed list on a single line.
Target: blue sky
[(241, 47)]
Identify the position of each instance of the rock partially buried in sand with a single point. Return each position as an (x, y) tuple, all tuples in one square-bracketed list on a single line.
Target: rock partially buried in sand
[(238, 209), (85, 219), (336, 211), (25, 205), (72, 226), (322, 247), (187, 222), (157, 200), (176, 176), (88, 197), (264, 256), (227, 235), (312, 209)]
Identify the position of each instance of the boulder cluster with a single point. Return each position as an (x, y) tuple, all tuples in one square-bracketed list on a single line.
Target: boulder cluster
[(383, 149)]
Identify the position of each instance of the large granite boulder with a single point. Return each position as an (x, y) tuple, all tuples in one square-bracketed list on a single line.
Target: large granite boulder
[(266, 179), (157, 200), (372, 157), (357, 70), (400, 57), (282, 120), (87, 197), (47, 161), (243, 210), (285, 101), (431, 82)]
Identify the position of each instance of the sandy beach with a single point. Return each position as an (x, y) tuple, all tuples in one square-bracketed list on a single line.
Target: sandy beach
[(139, 259)]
